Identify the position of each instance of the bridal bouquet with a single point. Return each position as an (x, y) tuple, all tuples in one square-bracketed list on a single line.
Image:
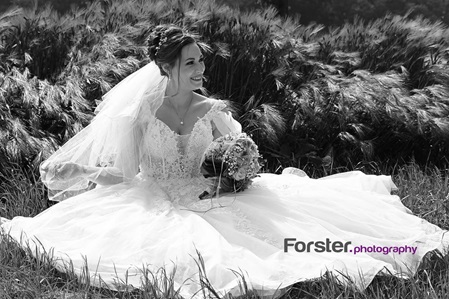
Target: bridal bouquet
[(231, 161)]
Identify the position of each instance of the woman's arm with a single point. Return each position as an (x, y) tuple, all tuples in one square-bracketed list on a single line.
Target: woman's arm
[(98, 175), (103, 175)]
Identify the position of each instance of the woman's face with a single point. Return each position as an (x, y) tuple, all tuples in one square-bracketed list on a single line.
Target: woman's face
[(189, 68)]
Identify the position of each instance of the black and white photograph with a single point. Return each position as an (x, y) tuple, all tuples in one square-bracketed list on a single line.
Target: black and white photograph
[(209, 149)]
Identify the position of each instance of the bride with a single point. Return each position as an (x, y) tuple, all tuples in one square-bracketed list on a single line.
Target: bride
[(129, 187)]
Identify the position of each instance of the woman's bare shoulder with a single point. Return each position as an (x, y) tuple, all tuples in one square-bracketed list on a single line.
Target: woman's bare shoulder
[(208, 103)]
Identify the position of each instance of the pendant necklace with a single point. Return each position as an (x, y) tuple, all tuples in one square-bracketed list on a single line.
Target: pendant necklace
[(185, 113)]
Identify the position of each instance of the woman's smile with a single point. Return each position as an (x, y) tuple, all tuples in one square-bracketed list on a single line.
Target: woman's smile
[(197, 78)]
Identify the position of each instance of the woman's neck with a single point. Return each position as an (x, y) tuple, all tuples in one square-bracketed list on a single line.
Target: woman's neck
[(180, 98)]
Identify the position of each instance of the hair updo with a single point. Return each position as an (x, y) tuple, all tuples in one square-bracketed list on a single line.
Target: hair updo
[(165, 44)]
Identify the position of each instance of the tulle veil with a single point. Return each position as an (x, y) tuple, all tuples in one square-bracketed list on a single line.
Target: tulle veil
[(112, 141)]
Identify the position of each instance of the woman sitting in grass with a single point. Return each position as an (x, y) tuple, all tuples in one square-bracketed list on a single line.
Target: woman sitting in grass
[(148, 185)]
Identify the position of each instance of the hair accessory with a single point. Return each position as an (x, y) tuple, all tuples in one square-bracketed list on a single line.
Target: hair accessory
[(162, 40)]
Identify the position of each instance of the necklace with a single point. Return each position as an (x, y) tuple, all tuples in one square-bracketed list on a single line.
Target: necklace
[(185, 113)]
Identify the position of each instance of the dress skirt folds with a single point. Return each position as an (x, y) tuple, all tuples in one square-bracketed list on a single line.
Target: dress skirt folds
[(281, 230), (262, 234)]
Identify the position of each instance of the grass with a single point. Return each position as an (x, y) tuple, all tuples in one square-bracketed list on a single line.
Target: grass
[(423, 190), (313, 95), (337, 97)]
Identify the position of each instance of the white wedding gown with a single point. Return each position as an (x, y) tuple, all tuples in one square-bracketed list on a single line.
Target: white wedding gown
[(157, 220)]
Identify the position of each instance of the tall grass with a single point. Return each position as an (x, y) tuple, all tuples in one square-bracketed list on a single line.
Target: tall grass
[(313, 97), (322, 99), (375, 90)]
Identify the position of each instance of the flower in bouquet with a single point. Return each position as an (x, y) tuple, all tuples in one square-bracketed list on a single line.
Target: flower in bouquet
[(232, 160)]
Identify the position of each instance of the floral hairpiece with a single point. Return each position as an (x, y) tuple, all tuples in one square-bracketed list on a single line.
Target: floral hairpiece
[(162, 40)]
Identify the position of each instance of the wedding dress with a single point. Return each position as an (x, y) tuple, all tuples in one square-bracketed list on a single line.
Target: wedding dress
[(281, 230)]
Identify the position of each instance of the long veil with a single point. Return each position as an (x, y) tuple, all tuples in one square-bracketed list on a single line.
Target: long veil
[(112, 141)]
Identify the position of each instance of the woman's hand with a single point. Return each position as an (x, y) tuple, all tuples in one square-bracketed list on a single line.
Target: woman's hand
[(68, 170), (97, 175)]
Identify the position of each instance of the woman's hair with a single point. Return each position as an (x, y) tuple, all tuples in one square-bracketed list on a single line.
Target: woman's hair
[(165, 44)]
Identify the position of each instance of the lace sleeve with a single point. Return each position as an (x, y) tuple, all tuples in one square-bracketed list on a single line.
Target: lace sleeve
[(223, 121)]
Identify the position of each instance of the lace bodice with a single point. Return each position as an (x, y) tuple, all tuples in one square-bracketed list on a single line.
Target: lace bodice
[(174, 160), (169, 155)]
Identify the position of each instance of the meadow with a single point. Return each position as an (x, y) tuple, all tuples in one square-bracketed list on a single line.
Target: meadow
[(371, 96)]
